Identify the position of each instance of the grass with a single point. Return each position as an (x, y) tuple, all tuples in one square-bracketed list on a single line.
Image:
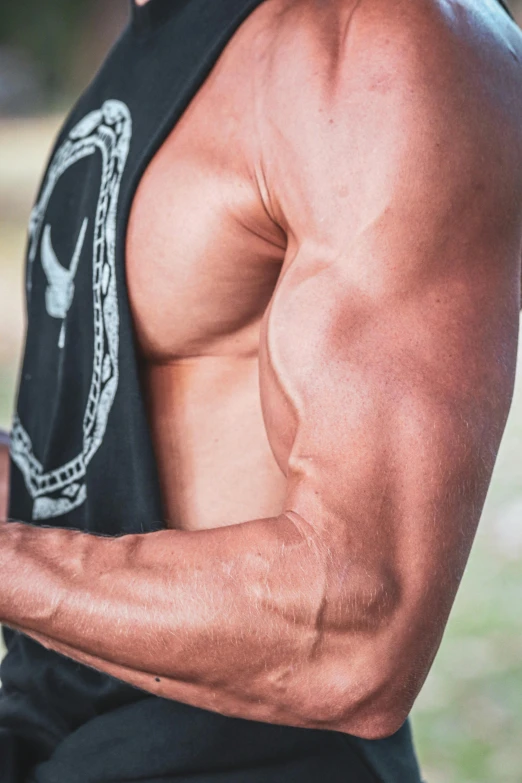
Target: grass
[(468, 719)]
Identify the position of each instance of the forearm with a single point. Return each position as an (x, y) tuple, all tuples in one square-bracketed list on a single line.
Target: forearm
[(223, 619), (204, 696)]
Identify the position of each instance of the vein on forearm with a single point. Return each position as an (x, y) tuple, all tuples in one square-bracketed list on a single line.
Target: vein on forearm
[(214, 607)]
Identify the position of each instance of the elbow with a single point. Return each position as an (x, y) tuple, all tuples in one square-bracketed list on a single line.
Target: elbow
[(362, 688), (367, 694), (377, 724), (351, 682), (364, 711)]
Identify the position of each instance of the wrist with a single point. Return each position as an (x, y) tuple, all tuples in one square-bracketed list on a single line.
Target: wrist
[(4, 474), (30, 592)]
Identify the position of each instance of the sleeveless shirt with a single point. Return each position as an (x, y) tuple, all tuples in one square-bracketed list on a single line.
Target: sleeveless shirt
[(81, 450)]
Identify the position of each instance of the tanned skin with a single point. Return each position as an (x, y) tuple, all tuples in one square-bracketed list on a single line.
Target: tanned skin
[(325, 282), (4, 474)]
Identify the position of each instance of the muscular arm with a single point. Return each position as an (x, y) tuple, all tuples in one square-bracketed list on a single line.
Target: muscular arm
[(387, 366)]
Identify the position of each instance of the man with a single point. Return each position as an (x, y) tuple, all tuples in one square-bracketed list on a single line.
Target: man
[(281, 238)]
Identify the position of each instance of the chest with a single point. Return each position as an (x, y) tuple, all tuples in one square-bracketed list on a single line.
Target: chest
[(202, 254)]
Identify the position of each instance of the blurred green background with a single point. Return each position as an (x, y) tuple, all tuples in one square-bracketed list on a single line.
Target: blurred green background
[(468, 718)]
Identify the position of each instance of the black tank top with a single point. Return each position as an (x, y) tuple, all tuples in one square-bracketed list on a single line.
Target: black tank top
[(81, 450)]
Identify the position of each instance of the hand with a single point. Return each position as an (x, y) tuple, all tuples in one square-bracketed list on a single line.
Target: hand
[(4, 475)]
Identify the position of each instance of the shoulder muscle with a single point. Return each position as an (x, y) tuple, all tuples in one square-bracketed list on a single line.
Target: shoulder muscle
[(354, 95)]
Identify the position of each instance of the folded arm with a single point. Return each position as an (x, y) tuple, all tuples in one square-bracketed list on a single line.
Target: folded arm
[(387, 366)]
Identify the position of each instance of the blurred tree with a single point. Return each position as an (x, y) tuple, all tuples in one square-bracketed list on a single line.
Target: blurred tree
[(64, 39), (48, 30)]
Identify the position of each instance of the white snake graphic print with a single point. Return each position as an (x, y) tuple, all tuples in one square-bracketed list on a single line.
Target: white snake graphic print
[(106, 131)]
